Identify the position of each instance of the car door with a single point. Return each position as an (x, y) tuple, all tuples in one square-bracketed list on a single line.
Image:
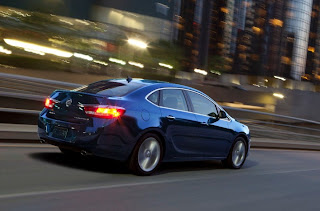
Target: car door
[(177, 122), (213, 134)]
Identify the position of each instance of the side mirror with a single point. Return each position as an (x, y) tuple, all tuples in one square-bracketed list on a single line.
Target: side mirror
[(222, 114), (212, 120)]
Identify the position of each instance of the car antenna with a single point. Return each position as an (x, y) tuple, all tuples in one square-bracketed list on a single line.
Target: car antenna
[(129, 79)]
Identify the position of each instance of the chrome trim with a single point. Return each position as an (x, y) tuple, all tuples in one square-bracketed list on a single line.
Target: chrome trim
[(170, 117), (68, 102), (101, 106), (54, 100), (228, 119)]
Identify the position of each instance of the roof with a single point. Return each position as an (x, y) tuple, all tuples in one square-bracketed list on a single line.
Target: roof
[(137, 80), (154, 84)]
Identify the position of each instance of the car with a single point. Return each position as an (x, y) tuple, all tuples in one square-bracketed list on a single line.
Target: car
[(143, 123)]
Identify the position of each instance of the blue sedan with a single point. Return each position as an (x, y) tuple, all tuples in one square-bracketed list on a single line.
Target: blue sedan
[(143, 123)]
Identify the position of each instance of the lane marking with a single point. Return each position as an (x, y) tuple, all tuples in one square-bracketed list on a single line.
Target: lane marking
[(38, 193), (289, 171), (253, 148), (28, 145)]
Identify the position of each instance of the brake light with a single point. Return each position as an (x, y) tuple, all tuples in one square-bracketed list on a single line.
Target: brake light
[(104, 112), (49, 103)]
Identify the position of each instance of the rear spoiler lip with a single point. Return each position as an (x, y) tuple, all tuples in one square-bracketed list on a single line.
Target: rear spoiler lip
[(70, 91)]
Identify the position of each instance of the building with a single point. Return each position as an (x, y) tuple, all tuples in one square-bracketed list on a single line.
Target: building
[(253, 37), (297, 26), (313, 54)]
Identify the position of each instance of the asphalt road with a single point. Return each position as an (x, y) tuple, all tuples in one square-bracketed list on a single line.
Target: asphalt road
[(37, 177)]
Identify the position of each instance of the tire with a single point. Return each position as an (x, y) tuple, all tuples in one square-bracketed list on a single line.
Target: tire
[(147, 155), (237, 155)]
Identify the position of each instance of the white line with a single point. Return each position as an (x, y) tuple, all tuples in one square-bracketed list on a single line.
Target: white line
[(289, 171), (37, 193), (28, 145)]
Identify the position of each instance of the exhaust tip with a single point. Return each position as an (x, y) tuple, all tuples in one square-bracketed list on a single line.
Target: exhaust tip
[(42, 141), (84, 153)]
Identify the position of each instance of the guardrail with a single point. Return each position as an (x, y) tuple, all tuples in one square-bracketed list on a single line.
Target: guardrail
[(270, 124), (271, 114), (38, 80), (260, 129), (19, 111), (22, 96), (14, 110)]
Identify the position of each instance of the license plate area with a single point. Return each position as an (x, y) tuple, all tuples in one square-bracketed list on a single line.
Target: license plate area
[(60, 132)]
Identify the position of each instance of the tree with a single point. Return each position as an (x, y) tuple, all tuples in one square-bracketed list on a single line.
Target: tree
[(217, 64)]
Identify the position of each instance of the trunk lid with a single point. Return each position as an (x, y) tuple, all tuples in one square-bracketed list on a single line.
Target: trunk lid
[(69, 106)]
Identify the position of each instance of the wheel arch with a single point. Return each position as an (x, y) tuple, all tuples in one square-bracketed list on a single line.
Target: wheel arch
[(155, 131), (133, 162), (245, 137)]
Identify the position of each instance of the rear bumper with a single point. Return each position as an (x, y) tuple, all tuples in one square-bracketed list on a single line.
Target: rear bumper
[(97, 142)]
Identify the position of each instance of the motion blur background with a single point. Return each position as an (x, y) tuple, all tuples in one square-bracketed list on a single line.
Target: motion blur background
[(259, 59), (260, 55)]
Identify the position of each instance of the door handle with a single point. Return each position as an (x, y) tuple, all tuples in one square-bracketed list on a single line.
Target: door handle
[(204, 123), (170, 117)]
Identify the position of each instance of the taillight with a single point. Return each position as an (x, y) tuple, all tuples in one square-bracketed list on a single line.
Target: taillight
[(108, 112), (49, 103)]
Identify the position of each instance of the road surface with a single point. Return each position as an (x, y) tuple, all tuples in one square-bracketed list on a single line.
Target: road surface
[(39, 177)]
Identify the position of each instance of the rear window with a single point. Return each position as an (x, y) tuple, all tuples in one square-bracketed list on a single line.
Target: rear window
[(154, 97), (111, 88)]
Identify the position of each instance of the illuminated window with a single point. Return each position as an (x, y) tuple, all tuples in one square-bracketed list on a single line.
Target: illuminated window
[(189, 35), (285, 60), (313, 14), (276, 22), (242, 56), (313, 35), (195, 52), (255, 57), (224, 10), (220, 45), (242, 47), (257, 30), (311, 49)]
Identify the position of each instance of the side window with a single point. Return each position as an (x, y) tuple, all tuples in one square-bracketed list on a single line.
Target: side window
[(154, 97), (174, 98), (202, 105)]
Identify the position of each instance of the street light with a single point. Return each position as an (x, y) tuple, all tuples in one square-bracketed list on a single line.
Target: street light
[(83, 56), (3, 50), (203, 72), (136, 64), (280, 78), (278, 95), (138, 43), (38, 48), (166, 65), (118, 61)]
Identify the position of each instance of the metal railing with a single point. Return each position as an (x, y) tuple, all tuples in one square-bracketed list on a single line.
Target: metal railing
[(261, 124)]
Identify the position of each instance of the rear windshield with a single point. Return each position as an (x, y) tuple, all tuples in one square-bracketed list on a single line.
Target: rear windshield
[(111, 88)]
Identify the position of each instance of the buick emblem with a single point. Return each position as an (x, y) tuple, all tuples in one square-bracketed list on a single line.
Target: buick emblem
[(68, 102)]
